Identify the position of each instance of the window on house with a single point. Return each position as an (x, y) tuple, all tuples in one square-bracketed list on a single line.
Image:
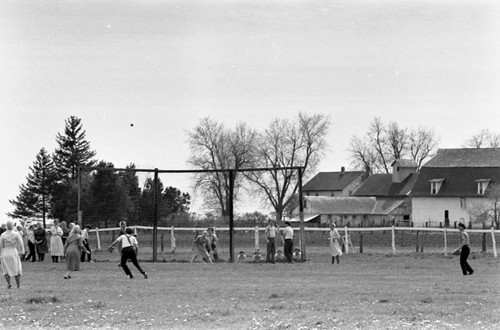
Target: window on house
[(353, 217), (436, 185), (462, 203), (482, 185), (434, 188)]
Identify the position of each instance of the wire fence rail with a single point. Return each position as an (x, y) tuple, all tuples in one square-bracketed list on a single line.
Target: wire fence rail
[(386, 240)]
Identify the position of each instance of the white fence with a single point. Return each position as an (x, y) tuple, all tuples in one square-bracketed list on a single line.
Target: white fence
[(356, 240)]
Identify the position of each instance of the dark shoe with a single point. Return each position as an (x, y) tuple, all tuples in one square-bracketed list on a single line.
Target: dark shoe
[(145, 276), (471, 272), (66, 277), (131, 276), (9, 286)]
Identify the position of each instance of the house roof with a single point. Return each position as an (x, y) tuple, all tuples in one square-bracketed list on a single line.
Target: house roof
[(458, 181), (381, 185), (405, 163), (466, 157), (329, 181), (351, 205)]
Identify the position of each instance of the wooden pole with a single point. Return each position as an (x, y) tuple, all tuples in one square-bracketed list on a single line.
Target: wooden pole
[(301, 218), (155, 217), (231, 216)]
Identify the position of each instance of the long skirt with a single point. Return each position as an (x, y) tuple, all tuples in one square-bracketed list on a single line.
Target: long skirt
[(335, 248), (11, 263)]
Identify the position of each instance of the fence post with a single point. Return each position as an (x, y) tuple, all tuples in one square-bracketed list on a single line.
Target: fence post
[(445, 244), (172, 239), (484, 239), (346, 244), (417, 242), (493, 241), (98, 239), (360, 242), (393, 232), (257, 238), (161, 242)]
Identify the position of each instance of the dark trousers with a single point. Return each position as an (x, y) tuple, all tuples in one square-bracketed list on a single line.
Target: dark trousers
[(129, 253), (466, 268), (32, 254), (271, 249), (89, 255), (288, 249)]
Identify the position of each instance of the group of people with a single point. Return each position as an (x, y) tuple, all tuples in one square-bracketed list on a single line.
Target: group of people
[(272, 231), (75, 247), (12, 250)]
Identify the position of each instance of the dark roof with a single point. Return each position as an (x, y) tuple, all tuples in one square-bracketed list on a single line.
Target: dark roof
[(381, 185), (405, 163), (351, 205), (458, 181), (328, 181), (465, 157)]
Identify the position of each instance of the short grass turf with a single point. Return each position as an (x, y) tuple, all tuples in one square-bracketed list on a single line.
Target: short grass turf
[(362, 292)]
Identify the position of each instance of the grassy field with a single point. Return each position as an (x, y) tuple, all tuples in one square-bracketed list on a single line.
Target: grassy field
[(364, 292)]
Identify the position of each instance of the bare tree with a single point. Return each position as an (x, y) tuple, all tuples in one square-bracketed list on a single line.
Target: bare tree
[(488, 209), (213, 147), (422, 144), (286, 144), (483, 139), (383, 144), (362, 156)]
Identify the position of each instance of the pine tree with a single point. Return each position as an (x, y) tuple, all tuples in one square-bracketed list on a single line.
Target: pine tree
[(35, 197), (74, 150)]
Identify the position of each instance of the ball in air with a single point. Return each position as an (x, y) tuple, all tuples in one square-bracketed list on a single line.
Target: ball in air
[(131, 125)]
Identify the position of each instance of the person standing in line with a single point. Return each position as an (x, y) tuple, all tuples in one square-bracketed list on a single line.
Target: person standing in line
[(130, 246), (41, 244), (271, 232), (288, 237), (65, 230), (72, 251), (212, 241), (464, 250), (335, 249), (201, 248), (11, 247), (24, 236), (85, 235), (56, 244), (31, 244)]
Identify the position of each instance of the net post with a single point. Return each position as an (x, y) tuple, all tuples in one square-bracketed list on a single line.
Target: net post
[(231, 216), (98, 239), (155, 219), (301, 218), (257, 248)]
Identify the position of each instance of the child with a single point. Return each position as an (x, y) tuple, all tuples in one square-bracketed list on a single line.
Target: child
[(297, 255), (464, 250), (241, 257), (257, 256), (279, 255), (129, 251)]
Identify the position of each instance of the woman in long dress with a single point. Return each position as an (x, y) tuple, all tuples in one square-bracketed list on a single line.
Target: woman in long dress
[(73, 250), (41, 242), (201, 247), (11, 246), (335, 249), (56, 243)]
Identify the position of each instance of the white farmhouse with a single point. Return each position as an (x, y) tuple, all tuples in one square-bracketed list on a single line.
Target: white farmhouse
[(453, 185)]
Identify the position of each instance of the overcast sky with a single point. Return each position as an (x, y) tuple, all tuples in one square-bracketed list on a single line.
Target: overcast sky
[(163, 65)]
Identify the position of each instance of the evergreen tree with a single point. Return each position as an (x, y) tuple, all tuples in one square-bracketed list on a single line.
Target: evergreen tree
[(24, 203), (73, 151), (35, 197)]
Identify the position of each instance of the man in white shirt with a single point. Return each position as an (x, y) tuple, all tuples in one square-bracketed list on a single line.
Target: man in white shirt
[(271, 233), (288, 237)]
